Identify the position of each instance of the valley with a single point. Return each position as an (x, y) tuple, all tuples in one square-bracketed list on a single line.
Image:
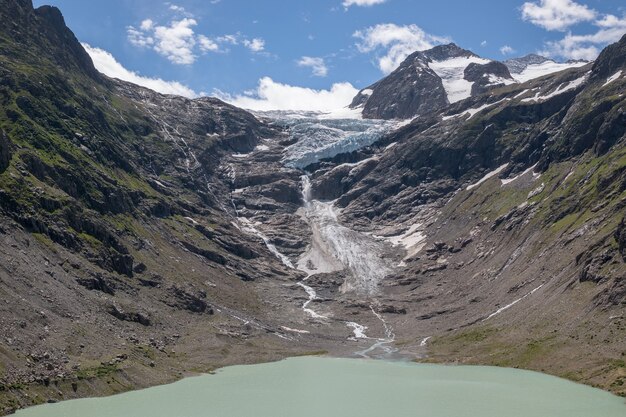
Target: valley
[(460, 211)]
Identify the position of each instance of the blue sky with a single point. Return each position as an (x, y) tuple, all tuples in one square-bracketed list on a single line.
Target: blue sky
[(238, 47)]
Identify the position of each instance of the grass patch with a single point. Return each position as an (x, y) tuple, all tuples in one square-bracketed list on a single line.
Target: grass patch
[(97, 372)]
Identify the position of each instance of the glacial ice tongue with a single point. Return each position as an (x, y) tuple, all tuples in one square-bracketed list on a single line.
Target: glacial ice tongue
[(319, 138)]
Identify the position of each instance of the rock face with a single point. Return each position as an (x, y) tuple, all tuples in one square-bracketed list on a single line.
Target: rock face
[(42, 28), (487, 76), (5, 151), (428, 81), (518, 65), (611, 60), (620, 237)]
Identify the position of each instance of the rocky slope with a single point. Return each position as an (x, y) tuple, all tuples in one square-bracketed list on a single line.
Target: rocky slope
[(148, 237)]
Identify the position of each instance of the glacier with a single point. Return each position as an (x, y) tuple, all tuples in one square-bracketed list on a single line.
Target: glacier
[(318, 136)]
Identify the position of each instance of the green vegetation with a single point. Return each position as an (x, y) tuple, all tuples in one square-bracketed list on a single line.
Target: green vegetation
[(100, 371)]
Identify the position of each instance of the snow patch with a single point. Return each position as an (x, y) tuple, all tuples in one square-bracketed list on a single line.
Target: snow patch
[(289, 329), (495, 80), (506, 181), (357, 329), (451, 72), (486, 177), (560, 90), (612, 78), (473, 111), (539, 70), (506, 307)]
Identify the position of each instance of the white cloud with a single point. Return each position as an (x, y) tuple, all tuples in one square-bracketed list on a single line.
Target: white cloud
[(556, 14), (108, 65), (317, 65), (178, 42), (397, 42), (367, 3), (207, 45), (231, 39), (146, 24), (175, 42), (483, 43), (139, 37), (255, 45), (587, 47), (271, 95), (506, 50)]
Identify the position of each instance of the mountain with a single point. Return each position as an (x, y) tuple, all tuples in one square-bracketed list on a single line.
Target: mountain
[(511, 206), (145, 237), (429, 81)]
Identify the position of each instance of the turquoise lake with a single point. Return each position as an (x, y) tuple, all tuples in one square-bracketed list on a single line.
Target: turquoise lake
[(328, 387)]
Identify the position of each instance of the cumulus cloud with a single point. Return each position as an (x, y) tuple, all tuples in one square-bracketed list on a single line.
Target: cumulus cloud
[(394, 43), (178, 42), (108, 65), (207, 45), (348, 3), (271, 95), (317, 65), (556, 14), (562, 14), (255, 45), (175, 42), (506, 50), (587, 47)]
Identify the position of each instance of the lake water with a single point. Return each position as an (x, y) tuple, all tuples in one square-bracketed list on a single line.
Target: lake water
[(327, 387)]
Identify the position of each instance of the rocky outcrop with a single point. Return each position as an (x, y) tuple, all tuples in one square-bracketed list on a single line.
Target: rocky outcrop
[(131, 316), (195, 303), (5, 151), (486, 76), (43, 29), (518, 65), (620, 237)]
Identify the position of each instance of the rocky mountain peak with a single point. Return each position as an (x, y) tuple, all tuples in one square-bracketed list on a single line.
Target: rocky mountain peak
[(36, 34), (428, 81), (448, 51)]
